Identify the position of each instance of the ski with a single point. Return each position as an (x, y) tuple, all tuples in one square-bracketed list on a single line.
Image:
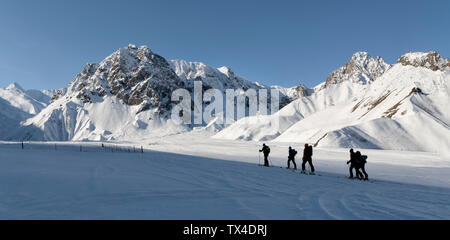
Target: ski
[(269, 166), (309, 173), (361, 180)]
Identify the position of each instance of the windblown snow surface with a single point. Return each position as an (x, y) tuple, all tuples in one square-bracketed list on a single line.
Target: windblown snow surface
[(191, 176)]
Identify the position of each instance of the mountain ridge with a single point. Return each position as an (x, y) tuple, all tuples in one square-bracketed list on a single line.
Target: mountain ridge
[(135, 80), (380, 113), (127, 96)]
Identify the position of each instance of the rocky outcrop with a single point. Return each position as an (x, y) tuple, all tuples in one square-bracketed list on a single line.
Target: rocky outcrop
[(135, 75), (431, 60), (361, 68)]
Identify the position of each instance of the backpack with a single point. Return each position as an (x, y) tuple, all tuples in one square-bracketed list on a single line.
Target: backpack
[(292, 153), (266, 149), (310, 151), (364, 159)]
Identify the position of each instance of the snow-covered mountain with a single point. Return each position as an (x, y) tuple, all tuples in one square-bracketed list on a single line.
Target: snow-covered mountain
[(122, 96), (17, 105), (224, 78), (372, 105), (126, 96), (218, 78), (29, 101), (367, 103), (361, 68)]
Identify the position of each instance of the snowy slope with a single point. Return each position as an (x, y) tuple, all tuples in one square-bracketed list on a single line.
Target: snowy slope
[(17, 105), (10, 118), (395, 116), (325, 96), (404, 108), (29, 101), (43, 96), (41, 183), (259, 128)]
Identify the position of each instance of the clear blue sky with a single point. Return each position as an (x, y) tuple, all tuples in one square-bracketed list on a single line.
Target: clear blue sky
[(44, 44)]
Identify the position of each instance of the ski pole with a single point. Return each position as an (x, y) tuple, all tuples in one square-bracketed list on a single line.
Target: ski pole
[(347, 167), (259, 158)]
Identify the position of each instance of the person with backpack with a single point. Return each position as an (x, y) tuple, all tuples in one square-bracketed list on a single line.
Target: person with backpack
[(354, 165), (307, 158), (361, 161), (292, 153), (266, 151)]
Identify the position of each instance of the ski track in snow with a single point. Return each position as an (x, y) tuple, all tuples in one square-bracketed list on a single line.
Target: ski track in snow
[(39, 184)]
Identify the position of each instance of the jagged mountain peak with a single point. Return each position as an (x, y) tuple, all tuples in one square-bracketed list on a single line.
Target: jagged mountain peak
[(135, 75), (219, 78), (15, 86), (227, 71), (361, 68), (361, 55), (28, 102), (295, 92), (364, 59), (431, 60), (192, 70), (132, 55)]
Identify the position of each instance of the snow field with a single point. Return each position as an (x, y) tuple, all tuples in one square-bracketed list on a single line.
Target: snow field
[(39, 184)]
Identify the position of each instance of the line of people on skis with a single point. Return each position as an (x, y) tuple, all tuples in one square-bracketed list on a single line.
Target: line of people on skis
[(307, 157), (357, 161)]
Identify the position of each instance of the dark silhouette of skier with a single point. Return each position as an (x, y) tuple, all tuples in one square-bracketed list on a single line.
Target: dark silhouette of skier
[(307, 158), (292, 153), (354, 164), (361, 161), (266, 151)]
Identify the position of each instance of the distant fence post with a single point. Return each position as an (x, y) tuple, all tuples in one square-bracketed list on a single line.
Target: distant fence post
[(22, 145)]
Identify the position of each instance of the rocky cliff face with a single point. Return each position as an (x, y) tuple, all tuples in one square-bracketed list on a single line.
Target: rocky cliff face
[(431, 60), (361, 68), (135, 75)]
